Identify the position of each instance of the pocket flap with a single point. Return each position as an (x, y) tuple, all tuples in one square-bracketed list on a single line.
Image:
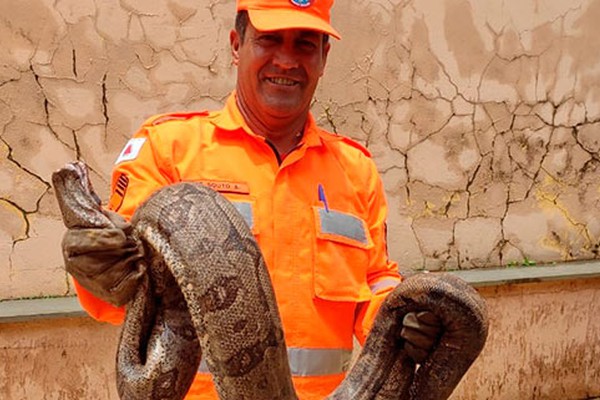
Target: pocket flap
[(342, 227)]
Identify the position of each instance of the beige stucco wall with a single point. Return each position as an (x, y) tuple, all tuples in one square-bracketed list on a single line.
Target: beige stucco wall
[(482, 116), (544, 343)]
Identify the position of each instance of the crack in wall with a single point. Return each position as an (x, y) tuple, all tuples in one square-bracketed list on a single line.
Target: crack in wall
[(104, 106), (533, 170), (11, 159), (24, 214), (46, 107), (74, 58)]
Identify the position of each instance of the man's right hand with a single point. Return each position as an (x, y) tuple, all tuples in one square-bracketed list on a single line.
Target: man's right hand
[(105, 261), (421, 332)]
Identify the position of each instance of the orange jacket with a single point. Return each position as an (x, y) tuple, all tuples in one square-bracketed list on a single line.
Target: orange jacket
[(318, 215)]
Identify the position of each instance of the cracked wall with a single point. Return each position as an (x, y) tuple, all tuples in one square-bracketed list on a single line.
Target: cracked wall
[(482, 117)]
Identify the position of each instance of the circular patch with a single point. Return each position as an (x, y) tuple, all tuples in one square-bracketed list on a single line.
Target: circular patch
[(301, 3)]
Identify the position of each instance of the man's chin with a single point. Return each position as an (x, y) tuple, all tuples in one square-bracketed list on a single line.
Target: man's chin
[(284, 110), (283, 105)]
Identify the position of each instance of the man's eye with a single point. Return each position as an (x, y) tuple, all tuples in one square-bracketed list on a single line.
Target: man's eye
[(307, 45), (267, 39)]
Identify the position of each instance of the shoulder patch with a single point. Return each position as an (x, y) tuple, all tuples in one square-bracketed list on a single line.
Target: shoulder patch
[(176, 116), (131, 150)]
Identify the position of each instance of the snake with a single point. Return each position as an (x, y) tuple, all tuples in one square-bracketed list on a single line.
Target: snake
[(207, 295)]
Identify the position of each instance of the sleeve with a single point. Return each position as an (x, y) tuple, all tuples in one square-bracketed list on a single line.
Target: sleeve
[(382, 274), (140, 169)]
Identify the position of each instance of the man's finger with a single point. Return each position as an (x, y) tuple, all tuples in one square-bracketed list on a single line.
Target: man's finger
[(418, 355), (417, 338), (413, 321), (429, 318)]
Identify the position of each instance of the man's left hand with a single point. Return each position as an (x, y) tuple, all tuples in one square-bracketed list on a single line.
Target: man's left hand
[(421, 332)]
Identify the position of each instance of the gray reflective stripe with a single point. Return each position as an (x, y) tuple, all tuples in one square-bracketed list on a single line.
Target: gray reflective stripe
[(384, 284), (312, 362), (245, 209), (203, 368), (342, 224), (315, 362)]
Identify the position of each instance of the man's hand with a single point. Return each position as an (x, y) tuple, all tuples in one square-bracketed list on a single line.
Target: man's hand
[(105, 261), (421, 332)]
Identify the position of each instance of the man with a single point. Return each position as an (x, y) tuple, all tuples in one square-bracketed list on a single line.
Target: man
[(314, 200)]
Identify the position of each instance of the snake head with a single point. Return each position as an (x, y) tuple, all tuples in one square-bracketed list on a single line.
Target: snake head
[(78, 202)]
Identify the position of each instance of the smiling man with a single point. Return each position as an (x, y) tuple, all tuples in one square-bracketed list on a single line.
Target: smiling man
[(313, 199), (278, 72)]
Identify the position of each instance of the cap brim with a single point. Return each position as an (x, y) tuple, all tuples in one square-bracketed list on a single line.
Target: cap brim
[(274, 20)]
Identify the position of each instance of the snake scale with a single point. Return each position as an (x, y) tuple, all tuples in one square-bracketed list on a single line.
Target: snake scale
[(208, 293)]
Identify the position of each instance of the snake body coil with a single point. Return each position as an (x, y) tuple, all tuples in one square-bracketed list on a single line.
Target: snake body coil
[(208, 293)]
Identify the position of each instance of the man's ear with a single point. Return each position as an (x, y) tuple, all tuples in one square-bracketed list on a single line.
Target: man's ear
[(234, 41)]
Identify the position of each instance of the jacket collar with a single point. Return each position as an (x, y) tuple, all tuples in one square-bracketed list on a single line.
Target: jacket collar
[(230, 119)]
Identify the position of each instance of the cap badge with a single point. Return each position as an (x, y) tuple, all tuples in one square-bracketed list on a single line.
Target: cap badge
[(301, 3)]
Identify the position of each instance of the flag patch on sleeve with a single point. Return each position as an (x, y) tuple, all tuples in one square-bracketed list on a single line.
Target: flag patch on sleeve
[(131, 150)]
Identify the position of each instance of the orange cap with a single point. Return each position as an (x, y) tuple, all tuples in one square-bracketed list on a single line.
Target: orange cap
[(274, 15)]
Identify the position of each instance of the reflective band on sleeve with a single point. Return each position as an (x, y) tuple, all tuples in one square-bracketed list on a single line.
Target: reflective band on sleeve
[(384, 284), (245, 209), (342, 224), (311, 362)]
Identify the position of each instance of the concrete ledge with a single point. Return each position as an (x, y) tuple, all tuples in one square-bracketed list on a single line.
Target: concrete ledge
[(29, 309), (511, 275), (43, 308)]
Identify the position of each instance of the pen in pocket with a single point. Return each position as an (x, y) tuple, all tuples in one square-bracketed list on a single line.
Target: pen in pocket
[(322, 197)]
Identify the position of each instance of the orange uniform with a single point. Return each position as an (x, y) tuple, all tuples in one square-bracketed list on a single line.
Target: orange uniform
[(318, 215)]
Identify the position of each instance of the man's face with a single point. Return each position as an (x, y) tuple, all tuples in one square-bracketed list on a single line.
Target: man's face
[(278, 71)]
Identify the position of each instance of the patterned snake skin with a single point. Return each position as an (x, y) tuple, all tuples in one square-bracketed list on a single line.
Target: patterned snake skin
[(208, 293)]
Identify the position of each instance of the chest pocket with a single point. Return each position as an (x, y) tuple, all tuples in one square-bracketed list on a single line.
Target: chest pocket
[(341, 256)]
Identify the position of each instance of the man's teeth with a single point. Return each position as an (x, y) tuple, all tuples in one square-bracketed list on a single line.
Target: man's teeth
[(282, 81)]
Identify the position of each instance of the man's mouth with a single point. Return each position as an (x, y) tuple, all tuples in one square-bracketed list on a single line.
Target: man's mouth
[(282, 81)]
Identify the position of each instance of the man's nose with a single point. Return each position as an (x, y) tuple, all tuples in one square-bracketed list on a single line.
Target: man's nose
[(286, 57)]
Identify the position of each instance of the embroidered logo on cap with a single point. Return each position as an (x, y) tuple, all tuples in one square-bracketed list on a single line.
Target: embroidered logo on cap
[(301, 3), (131, 150)]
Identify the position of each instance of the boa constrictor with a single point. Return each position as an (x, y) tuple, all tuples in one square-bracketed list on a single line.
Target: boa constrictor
[(208, 293)]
